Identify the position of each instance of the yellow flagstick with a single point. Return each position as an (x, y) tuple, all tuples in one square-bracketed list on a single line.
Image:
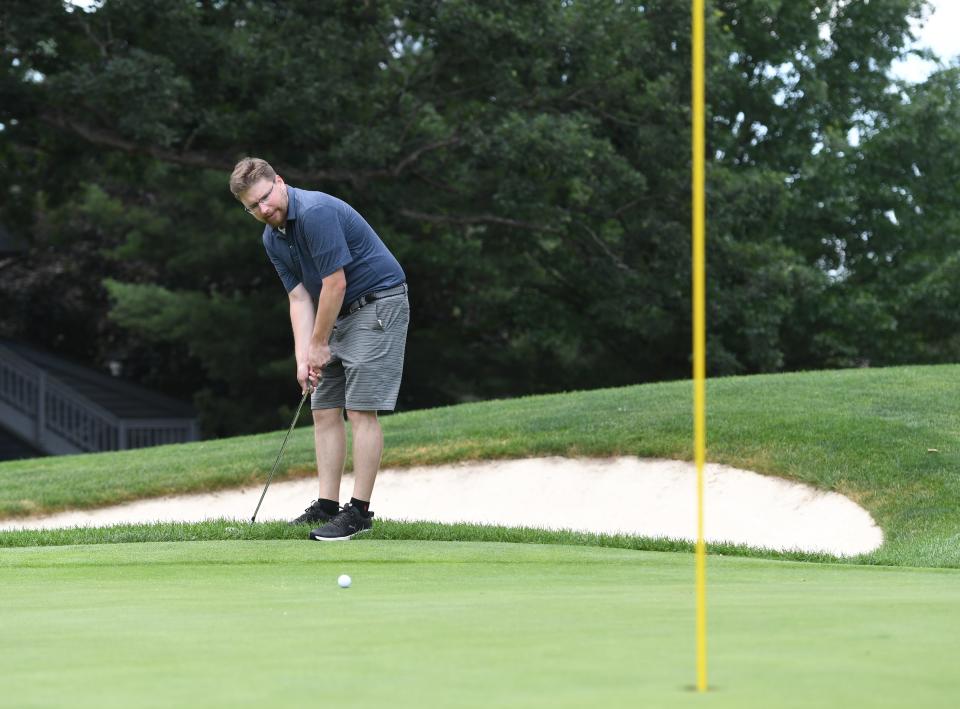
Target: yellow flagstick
[(699, 332)]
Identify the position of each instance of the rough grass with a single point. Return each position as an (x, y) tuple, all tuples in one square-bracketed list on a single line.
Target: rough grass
[(888, 438), (228, 530)]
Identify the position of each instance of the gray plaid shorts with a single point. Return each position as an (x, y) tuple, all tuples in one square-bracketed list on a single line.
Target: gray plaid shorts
[(367, 349)]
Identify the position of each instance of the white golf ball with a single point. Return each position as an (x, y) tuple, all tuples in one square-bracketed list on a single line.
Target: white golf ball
[(344, 581)]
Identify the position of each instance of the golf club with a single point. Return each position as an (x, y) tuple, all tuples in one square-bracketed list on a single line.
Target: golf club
[(293, 423)]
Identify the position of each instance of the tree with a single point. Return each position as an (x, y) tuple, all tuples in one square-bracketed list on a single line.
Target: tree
[(528, 163)]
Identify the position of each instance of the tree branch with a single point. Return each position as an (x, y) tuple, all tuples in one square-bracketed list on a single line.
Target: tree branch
[(476, 219), (606, 249), (629, 205), (90, 35), (415, 155), (435, 184), (190, 158)]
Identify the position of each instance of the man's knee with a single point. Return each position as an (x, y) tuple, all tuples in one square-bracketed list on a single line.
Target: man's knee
[(362, 418), (325, 418)]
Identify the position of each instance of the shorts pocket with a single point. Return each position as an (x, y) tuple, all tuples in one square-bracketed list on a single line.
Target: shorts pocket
[(391, 313), (370, 318)]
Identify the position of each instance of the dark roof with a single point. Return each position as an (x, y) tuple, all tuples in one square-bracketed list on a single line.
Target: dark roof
[(12, 448), (9, 244), (121, 398)]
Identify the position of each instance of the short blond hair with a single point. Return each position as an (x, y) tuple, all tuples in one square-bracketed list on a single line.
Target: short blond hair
[(247, 173)]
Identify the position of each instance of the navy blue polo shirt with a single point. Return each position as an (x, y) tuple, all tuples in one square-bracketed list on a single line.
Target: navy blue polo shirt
[(323, 235)]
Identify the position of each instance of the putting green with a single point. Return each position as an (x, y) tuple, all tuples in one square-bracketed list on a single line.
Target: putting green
[(447, 624)]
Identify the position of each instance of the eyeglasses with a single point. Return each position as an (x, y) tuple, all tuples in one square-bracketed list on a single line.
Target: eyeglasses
[(259, 204)]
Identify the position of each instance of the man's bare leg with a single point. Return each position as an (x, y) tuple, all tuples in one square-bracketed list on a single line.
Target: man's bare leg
[(367, 450), (330, 438)]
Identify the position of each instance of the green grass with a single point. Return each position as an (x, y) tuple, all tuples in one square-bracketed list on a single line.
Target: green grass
[(263, 623), (227, 614), (864, 433)]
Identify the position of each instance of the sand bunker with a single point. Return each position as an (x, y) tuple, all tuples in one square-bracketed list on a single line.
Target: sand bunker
[(622, 495)]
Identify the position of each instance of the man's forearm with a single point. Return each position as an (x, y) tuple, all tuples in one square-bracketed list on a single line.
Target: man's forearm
[(328, 307), (301, 320)]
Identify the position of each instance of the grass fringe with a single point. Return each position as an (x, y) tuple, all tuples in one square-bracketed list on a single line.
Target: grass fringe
[(226, 530)]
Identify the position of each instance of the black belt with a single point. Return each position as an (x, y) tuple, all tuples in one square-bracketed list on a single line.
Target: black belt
[(353, 306)]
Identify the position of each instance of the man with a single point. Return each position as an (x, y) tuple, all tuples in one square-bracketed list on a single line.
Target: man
[(349, 313)]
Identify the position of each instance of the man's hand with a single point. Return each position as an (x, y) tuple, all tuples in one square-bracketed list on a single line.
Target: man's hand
[(303, 376), (317, 359)]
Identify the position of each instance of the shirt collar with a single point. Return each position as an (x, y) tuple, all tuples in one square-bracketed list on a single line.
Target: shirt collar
[(292, 204)]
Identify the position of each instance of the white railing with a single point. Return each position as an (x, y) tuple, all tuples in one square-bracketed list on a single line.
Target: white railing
[(159, 432), (18, 386), (81, 422), (61, 419)]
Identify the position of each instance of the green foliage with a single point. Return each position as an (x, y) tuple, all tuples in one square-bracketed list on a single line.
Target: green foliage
[(528, 164)]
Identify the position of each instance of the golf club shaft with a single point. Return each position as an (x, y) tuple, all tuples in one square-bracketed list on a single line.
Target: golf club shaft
[(293, 424)]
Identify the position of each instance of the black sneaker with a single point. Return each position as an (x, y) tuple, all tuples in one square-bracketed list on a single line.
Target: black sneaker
[(313, 514), (350, 521)]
